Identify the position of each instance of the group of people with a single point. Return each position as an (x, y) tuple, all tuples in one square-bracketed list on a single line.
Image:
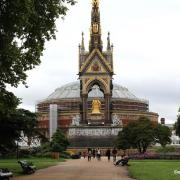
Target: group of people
[(113, 153), (122, 161), (97, 153)]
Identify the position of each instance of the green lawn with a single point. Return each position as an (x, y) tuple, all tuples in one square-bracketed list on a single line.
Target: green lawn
[(40, 163), (154, 169)]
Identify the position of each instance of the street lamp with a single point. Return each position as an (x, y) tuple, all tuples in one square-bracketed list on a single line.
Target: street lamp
[(17, 150)]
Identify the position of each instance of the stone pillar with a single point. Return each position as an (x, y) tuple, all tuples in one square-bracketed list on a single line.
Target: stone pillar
[(84, 109), (107, 109), (53, 116)]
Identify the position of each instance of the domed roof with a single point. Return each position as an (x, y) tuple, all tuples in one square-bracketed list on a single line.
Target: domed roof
[(72, 91)]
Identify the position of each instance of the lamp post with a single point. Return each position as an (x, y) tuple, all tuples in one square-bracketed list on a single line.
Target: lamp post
[(17, 150)]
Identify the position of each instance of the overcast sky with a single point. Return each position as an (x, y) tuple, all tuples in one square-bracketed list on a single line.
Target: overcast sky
[(146, 38)]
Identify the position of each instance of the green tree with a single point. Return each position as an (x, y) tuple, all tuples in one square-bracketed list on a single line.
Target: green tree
[(13, 121), (29, 129), (162, 135), (59, 142), (25, 25), (24, 28), (138, 134), (9, 124), (145, 134), (122, 142)]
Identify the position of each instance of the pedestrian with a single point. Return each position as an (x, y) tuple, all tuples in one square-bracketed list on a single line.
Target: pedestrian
[(98, 154), (108, 154), (89, 154), (84, 154), (94, 153), (114, 153)]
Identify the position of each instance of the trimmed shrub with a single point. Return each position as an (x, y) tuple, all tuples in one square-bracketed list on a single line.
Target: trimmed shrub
[(166, 149)]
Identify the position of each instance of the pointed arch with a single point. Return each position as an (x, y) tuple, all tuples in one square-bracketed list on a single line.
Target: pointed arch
[(102, 85)]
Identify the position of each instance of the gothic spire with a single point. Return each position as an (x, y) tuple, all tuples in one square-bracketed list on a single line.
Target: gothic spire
[(95, 34), (108, 42), (82, 42)]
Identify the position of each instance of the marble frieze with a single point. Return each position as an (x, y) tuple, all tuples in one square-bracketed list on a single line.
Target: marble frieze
[(93, 131)]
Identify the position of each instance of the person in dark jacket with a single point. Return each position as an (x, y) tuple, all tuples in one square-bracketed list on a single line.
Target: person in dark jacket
[(108, 154), (94, 153), (89, 154), (114, 153)]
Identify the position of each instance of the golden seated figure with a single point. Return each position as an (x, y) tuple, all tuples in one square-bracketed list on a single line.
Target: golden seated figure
[(96, 106)]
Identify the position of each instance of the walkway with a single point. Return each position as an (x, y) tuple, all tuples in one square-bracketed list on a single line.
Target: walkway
[(80, 170)]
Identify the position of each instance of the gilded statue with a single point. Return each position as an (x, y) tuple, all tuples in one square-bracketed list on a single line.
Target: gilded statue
[(96, 106), (95, 28)]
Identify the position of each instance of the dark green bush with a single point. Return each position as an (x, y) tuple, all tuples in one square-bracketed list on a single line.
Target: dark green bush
[(65, 155), (24, 153), (166, 149)]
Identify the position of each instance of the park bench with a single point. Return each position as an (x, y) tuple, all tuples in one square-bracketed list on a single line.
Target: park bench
[(5, 174), (122, 162), (125, 162), (28, 168)]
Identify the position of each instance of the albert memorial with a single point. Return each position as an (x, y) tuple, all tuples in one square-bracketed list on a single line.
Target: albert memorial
[(92, 110)]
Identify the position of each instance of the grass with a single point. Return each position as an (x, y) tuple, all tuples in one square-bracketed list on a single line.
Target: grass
[(154, 169), (40, 163)]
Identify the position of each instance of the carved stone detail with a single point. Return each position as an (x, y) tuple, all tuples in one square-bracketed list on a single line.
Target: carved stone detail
[(75, 132), (76, 120), (116, 120)]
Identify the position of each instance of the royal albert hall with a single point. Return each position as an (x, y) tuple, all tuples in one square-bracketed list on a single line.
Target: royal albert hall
[(93, 110)]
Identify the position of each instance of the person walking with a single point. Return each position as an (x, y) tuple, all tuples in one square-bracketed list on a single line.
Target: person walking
[(94, 153), (89, 154), (84, 154), (114, 153), (98, 154), (108, 154)]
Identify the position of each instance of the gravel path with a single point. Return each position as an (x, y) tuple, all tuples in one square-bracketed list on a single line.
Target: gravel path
[(80, 170)]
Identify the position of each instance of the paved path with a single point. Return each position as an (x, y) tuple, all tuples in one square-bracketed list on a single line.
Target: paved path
[(80, 170)]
